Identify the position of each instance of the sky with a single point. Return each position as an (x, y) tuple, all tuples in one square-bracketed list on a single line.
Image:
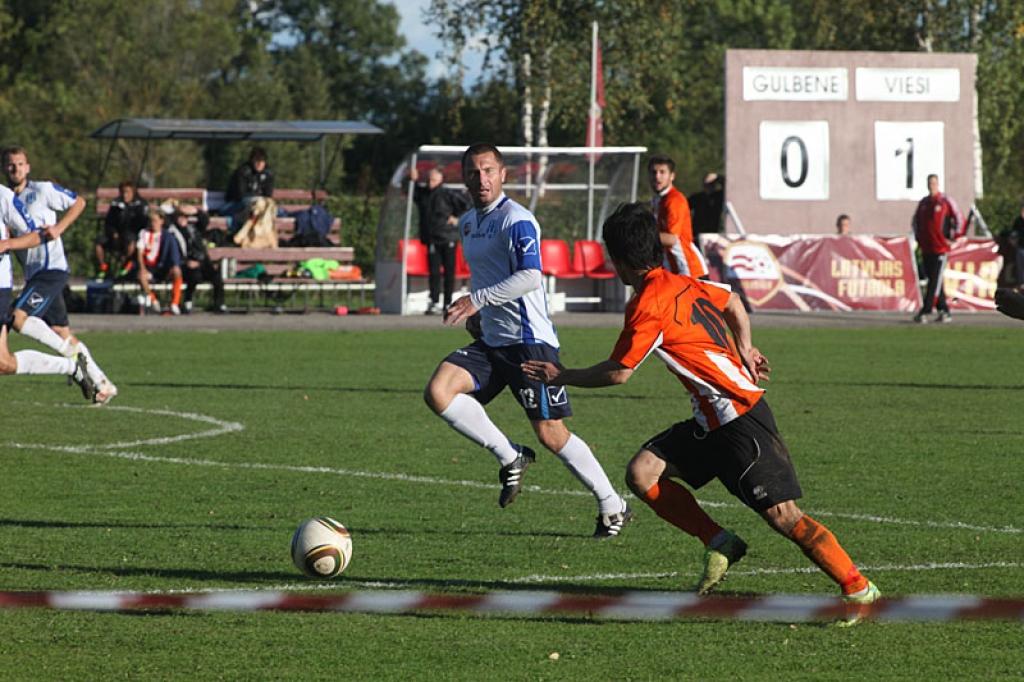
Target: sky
[(420, 37)]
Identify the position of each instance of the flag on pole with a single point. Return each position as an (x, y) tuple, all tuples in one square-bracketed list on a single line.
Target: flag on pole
[(595, 127)]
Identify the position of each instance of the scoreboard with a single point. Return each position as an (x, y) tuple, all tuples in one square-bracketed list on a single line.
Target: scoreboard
[(810, 135)]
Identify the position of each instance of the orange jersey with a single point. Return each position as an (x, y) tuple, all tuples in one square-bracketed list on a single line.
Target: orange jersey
[(682, 258), (674, 218), (679, 318)]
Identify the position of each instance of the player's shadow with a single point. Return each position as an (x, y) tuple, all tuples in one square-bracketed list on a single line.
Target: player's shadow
[(461, 532), (57, 524), (191, 574), (332, 389)]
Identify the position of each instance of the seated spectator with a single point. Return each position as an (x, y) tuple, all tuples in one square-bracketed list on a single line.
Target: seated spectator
[(124, 220), (844, 224), (159, 260), (198, 266), (252, 180)]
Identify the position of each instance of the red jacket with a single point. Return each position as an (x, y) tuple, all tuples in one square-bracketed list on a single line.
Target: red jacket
[(937, 221)]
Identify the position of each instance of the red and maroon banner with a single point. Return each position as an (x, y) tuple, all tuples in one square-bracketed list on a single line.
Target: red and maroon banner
[(824, 272), (971, 274), (817, 272)]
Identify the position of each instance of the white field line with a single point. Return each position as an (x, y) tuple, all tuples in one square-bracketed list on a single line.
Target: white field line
[(222, 427), (344, 584), (930, 566)]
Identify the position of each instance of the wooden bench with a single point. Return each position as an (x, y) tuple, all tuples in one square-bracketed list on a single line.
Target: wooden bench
[(276, 288)]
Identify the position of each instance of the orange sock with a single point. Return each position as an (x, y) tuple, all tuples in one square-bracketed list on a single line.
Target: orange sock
[(821, 547), (176, 291), (678, 506)]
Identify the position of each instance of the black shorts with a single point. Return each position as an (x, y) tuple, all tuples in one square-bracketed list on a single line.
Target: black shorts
[(747, 455), (493, 369), (43, 297)]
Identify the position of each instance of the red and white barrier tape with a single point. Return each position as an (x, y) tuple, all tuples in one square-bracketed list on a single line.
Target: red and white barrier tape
[(625, 606)]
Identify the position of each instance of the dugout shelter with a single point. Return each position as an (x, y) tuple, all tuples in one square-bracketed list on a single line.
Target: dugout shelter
[(571, 190)]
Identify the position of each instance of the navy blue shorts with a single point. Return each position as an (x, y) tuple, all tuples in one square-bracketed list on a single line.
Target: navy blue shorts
[(5, 308), (493, 369), (43, 297)]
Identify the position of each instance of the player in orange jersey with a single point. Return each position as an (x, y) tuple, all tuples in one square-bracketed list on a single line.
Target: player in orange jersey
[(687, 323), (673, 211)]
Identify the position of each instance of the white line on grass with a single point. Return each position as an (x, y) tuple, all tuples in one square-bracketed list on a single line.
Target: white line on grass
[(931, 566), (344, 583), (222, 427)]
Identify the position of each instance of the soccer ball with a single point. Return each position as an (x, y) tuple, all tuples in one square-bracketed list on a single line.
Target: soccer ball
[(321, 547)]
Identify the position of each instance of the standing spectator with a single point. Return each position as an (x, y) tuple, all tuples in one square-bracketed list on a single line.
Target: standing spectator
[(1012, 243), (673, 213), (198, 266), (706, 207), (160, 255), (843, 225), (250, 181), (937, 221), (125, 218), (439, 209)]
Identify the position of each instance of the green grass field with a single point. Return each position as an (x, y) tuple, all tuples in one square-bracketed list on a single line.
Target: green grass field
[(908, 442)]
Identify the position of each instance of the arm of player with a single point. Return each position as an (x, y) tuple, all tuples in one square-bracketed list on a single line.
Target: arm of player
[(69, 217), (605, 373), (25, 241), (739, 324), (512, 287)]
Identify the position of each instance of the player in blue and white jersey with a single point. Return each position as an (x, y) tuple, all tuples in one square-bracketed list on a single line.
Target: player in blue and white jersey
[(14, 216), (39, 312), (501, 242)]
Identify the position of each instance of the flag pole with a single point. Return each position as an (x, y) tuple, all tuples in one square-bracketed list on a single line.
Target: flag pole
[(592, 129)]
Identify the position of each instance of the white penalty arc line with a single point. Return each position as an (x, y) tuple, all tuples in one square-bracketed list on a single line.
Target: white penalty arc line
[(222, 427)]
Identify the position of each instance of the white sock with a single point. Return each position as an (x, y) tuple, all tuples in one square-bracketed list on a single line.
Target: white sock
[(95, 373), (37, 330), (34, 362), (467, 416), (578, 458)]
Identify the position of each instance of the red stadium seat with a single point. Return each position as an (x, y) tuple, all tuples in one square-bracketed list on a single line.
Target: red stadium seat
[(461, 266), (415, 253), (588, 258), (554, 258)]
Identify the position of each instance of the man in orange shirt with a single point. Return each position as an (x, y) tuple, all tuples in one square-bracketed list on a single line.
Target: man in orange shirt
[(673, 210), (732, 437)]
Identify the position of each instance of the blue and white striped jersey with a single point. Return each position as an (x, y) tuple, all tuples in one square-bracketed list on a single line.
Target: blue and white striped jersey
[(499, 240), (13, 218), (44, 200)]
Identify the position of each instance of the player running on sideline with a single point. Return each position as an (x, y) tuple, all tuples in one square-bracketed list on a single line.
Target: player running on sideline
[(13, 214), (732, 436), (39, 312), (501, 240)]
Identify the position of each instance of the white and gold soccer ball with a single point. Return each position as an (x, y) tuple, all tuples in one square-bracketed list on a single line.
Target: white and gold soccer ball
[(321, 547)]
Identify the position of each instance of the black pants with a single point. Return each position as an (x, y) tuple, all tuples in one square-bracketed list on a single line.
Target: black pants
[(206, 272), (438, 254), (934, 268)]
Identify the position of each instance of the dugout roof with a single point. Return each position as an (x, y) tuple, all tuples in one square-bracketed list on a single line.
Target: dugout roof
[(210, 129)]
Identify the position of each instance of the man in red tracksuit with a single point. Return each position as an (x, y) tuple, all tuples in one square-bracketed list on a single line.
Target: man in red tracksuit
[(937, 221)]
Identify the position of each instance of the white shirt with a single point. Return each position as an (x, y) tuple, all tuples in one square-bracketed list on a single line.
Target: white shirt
[(13, 217), (44, 200), (499, 240)]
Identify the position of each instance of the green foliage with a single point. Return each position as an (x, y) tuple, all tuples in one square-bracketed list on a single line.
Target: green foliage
[(421, 504)]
